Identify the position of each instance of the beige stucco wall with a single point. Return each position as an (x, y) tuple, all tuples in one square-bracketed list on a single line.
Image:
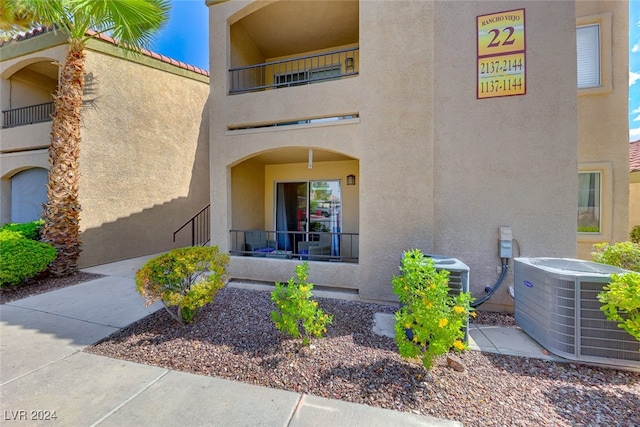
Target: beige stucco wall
[(438, 169), (602, 122), (144, 153), (144, 159), (634, 200), (493, 157)]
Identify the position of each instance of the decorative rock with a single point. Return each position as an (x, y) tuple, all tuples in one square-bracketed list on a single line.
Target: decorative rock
[(455, 363)]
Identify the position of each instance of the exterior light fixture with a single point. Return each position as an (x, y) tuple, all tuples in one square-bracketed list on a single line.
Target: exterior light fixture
[(349, 64), (351, 180)]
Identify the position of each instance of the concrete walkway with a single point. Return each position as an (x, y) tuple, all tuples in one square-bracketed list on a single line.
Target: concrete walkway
[(43, 371)]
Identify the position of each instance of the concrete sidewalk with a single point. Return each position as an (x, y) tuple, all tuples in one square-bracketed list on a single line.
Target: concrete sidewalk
[(44, 373)]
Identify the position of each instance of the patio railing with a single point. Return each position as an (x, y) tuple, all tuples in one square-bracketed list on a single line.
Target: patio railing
[(28, 115), (294, 72), (313, 245)]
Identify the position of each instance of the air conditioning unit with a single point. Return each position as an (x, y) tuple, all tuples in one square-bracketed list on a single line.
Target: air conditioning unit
[(458, 277), (556, 304)]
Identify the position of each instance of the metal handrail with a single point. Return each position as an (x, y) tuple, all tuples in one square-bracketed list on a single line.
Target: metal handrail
[(200, 224), (28, 115), (294, 72)]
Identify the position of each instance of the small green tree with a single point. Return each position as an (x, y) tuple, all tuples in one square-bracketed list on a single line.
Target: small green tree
[(622, 254), (621, 302), (297, 314), (430, 320), (635, 234), (187, 278)]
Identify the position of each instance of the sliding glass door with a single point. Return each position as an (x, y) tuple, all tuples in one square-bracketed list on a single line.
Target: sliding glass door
[(308, 211)]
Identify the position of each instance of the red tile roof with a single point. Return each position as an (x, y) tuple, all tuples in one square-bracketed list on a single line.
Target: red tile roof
[(37, 31), (634, 156)]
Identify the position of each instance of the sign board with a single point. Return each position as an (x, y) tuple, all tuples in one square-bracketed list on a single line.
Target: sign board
[(501, 54)]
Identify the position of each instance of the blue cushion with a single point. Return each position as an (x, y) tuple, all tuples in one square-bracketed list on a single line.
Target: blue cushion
[(264, 250)]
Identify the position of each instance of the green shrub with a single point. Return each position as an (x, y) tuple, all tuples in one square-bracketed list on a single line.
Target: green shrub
[(621, 302), (296, 312), (22, 258), (30, 230), (635, 234), (187, 278), (623, 254), (430, 320)]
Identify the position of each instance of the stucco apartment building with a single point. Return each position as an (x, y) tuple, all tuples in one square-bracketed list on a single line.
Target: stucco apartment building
[(144, 150), (346, 132), (634, 184)]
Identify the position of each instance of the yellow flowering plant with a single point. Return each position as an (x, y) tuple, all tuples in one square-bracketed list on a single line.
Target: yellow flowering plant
[(296, 313), (431, 320)]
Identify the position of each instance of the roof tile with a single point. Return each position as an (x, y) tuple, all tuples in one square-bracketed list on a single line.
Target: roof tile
[(42, 30), (634, 156)]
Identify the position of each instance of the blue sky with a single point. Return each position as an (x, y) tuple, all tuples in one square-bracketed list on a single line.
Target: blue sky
[(185, 37), (634, 70)]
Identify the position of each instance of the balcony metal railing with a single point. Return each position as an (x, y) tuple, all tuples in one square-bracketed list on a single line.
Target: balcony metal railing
[(294, 72), (28, 115), (199, 225), (312, 246)]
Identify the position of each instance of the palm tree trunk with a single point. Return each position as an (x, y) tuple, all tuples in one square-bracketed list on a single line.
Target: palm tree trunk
[(62, 210)]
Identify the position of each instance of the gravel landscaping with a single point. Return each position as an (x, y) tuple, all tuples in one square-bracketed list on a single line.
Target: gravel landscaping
[(233, 338)]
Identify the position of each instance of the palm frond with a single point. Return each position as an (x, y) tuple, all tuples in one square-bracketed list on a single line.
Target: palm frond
[(132, 23)]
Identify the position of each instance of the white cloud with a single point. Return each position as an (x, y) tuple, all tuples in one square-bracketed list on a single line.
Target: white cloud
[(633, 77), (637, 119), (635, 48), (636, 111), (634, 134)]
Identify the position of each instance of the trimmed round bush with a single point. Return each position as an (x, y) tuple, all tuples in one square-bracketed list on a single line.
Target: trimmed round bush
[(22, 258), (185, 278)]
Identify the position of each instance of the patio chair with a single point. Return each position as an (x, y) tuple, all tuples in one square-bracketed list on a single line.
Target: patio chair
[(257, 244), (316, 250)]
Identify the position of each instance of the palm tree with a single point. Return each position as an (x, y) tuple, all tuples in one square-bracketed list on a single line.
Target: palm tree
[(13, 18), (132, 23)]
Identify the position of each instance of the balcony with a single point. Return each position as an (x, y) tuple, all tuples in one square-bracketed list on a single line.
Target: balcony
[(28, 115), (312, 246), (294, 72)]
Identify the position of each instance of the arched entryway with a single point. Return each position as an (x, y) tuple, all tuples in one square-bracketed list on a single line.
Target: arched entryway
[(28, 194)]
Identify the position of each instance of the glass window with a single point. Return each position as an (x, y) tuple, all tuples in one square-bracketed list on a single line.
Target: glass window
[(589, 202), (588, 55), (308, 210)]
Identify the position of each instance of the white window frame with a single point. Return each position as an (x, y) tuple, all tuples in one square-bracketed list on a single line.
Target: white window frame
[(585, 210), (605, 169), (584, 24)]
